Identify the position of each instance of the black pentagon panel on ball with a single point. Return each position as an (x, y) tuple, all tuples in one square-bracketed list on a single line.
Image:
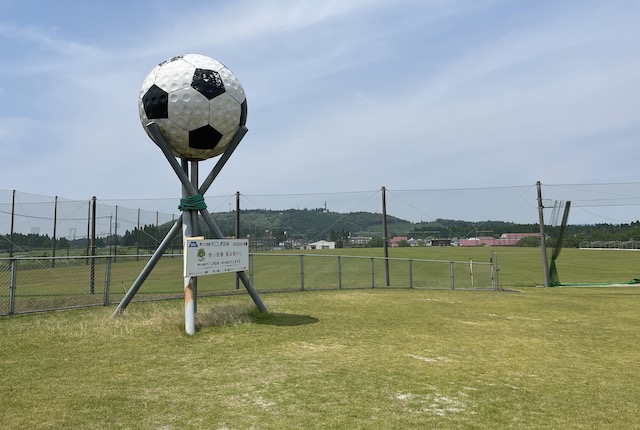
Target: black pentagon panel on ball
[(243, 113), (205, 137), (208, 83), (156, 103)]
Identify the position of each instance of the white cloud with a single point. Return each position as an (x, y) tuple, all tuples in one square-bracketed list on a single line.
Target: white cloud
[(391, 93)]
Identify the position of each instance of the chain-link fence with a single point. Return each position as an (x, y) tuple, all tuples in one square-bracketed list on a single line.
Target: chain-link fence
[(35, 225), (32, 284), (36, 231)]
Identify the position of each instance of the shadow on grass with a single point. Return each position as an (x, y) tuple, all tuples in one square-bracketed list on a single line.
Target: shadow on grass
[(283, 319), (230, 314)]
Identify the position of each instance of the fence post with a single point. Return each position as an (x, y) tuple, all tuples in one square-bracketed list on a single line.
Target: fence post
[(301, 272), (453, 282), (339, 273), (410, 273), (107, 281), (495, 269), (237, 233), (138, 238), (12, 286), (251, 268), (373, 273), (115, 237)]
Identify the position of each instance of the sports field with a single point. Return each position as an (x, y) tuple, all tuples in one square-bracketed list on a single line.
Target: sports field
[(562, 358), (39, 286)]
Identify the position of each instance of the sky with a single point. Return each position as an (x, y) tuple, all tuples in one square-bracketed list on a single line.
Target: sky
[(343, 96)]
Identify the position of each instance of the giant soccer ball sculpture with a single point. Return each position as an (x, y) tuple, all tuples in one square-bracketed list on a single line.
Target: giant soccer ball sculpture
[(193, 108), (197, 103)]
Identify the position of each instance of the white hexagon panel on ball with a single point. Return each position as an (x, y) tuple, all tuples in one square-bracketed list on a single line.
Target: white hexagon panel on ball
[(197, 103)]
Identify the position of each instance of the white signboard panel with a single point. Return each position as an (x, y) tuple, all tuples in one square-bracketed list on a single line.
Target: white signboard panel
[(211, 256)]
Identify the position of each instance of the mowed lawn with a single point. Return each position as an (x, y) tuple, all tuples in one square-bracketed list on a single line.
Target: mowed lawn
[(561, 358)]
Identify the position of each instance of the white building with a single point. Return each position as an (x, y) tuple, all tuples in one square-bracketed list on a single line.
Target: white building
[(359, 240), (321, 244)]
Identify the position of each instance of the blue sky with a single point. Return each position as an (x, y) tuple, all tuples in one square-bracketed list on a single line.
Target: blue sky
[(343, 95)]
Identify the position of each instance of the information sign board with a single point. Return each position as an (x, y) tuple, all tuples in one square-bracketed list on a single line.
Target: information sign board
[(211, 256)]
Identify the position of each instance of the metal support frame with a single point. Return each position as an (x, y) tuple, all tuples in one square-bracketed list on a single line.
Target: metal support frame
[(543, 239), (190, 188)]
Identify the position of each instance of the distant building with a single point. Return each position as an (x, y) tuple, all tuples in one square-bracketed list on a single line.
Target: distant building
[(440, 242), (478, 241), (415, 242), (507, 239), (321, 244), (357, 241), (395, 241)]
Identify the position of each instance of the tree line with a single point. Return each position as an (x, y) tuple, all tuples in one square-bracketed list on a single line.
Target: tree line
[(308, 225)]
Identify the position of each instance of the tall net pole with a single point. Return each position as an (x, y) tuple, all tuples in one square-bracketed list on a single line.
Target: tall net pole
[(385, 239)]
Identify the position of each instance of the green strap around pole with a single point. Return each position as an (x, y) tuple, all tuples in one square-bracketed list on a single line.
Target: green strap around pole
[(192, 203)]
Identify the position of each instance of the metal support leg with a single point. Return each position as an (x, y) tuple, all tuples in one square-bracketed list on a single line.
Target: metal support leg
[(178, 224), (192, 190), (148, 268)]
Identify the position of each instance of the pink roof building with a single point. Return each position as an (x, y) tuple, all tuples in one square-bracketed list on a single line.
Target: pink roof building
[(395, 241), (507, 239)]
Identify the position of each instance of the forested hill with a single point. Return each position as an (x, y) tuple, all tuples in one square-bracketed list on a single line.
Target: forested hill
[(316, 224)]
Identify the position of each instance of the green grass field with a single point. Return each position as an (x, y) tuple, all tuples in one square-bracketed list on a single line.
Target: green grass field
[(364, 359), (555, 358), (40, 286)]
